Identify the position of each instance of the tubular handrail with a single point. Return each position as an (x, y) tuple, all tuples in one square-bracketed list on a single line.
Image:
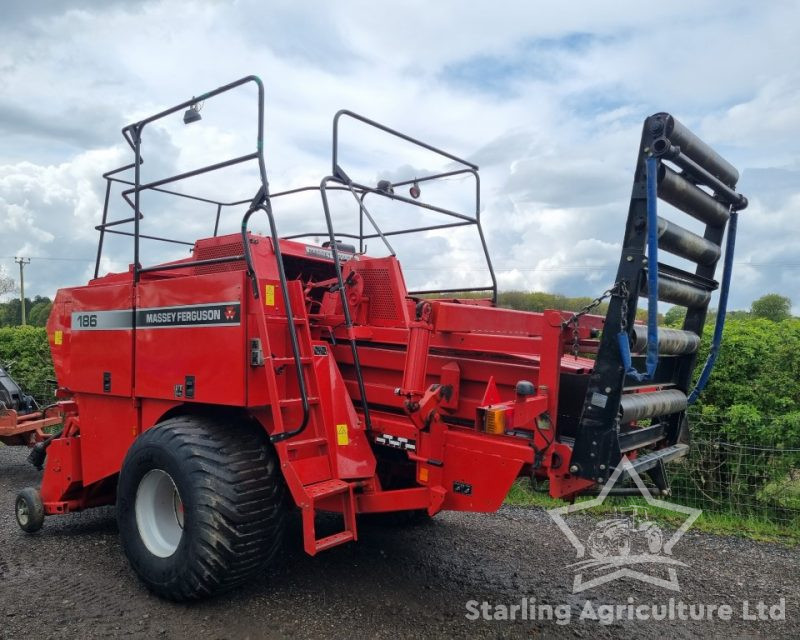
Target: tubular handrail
[(287, 303), (390, 131), (348, 320)]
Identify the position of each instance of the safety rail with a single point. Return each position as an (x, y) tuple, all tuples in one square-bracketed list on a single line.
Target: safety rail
[(133, 135), (339, 181)]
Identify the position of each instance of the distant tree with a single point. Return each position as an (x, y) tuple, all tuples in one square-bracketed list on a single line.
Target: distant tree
[(674, 317), (10, 315), (40, 311), (25, 352), (773, 307), (6, 282)]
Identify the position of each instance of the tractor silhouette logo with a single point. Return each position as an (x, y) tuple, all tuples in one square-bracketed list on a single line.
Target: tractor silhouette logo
[(626, 534), (627, 544)]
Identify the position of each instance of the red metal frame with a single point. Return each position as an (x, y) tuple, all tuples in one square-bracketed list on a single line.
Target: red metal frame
[(26, 429)]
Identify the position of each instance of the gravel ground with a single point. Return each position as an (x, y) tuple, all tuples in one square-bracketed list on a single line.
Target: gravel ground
[(71, 580)]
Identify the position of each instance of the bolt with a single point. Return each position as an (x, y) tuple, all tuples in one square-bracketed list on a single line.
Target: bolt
[(573, 468), (600, 480), (629, 258), (608, 389), (591, 455), (594, 444), (602, 467)]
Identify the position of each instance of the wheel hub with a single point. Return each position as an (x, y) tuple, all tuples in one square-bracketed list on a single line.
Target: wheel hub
[(159, 513), (23, 514)]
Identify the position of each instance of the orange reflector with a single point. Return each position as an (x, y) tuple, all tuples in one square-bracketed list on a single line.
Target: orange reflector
[(495, 421)]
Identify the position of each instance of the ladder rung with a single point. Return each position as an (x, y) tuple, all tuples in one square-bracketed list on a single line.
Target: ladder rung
[(326, 489), (296, 444), (284, 320), (333, 540), (287, 402), (290, 359)]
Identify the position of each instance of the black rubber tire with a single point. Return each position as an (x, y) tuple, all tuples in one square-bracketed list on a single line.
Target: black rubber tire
[(234, 508), (29, 510)]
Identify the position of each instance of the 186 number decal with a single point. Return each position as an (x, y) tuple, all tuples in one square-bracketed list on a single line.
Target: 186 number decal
[(86, 320)]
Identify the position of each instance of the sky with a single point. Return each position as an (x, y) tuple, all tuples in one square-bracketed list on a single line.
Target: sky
[(548, 98)]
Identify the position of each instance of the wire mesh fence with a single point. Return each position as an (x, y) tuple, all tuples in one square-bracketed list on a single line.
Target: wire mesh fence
[(745, 479)]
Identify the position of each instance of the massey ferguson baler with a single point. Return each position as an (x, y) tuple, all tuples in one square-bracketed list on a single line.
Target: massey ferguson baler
[(209, 396)]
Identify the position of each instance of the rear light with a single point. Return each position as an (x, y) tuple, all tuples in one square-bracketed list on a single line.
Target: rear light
[(496, 420)]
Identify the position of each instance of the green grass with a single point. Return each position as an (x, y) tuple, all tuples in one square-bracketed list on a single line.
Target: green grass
[(728, 524)]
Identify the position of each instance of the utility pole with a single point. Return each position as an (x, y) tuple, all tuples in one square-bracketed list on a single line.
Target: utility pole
[(22, 262)]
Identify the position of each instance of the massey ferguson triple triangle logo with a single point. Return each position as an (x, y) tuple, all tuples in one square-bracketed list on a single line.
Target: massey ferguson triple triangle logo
[(626, 545)]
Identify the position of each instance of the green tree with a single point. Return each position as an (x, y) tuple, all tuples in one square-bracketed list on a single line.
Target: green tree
[(773, 307), (675, 316), (25, 353), (754, 393), (40, 311)]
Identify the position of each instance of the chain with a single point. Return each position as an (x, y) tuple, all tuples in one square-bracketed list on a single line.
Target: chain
[(619, 289), (623, 308)]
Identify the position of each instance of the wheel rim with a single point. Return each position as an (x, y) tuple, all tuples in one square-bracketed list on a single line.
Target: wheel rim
[(23, 513), (159, 513)]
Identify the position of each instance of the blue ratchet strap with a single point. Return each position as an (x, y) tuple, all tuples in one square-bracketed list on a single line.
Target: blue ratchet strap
[(652, 286), (719, 325)]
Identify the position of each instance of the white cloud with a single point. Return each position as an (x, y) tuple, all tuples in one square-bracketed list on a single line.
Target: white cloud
[(549, 100)]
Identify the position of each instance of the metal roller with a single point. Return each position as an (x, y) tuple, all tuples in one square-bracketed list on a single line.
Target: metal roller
[(638, 406), (679, 292), (682, 194), (682, 242), (671, 342), (664, 124)]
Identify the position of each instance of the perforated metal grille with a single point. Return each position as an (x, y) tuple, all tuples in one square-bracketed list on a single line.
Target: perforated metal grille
[(208, 252), (382, 303)]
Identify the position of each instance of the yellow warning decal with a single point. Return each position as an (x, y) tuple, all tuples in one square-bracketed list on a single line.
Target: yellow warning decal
[(341, 435), (269, 295), (423, 474), (58, 337)]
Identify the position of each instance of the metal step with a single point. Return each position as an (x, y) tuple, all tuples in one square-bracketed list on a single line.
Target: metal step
[(638, 406), (675, 342), (650, 460), (333, 540), (319, 492), (327, 488)]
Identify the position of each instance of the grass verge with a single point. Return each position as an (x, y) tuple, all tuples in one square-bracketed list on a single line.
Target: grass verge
[(728, 524)]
